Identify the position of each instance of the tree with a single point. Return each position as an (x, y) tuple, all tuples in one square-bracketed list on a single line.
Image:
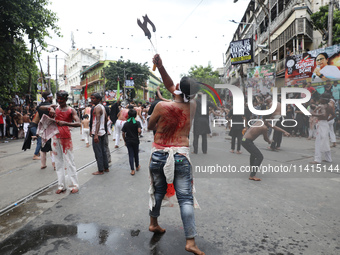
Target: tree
[(320, 22), (139, 72), (21, 19), (204, 74)]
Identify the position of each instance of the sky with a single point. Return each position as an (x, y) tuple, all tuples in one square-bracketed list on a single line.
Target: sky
[(188, 32)]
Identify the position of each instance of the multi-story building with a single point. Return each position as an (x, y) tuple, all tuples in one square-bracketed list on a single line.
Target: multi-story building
[(288, 25), (76, 61), (94, 76)]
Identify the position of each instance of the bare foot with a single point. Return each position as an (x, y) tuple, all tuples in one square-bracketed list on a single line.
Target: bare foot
[(314, 162), (137, 169), (232, 151), (154, 227), (116, 146), (87, 145), (132, 172), (35, 157), (43, 167), (106, 170), (238, 152), (98, 173), (157, 229), (74, 190), (192, 247), (254, 178), (60, 191)]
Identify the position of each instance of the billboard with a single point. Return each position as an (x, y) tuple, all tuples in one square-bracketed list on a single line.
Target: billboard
[(261, 78), (241, 51), (316, 66), (111, 95)]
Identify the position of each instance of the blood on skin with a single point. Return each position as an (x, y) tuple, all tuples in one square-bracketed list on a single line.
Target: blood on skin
[(174, 122)]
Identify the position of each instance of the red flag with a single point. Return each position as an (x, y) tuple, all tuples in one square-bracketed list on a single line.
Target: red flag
[(85, 93)]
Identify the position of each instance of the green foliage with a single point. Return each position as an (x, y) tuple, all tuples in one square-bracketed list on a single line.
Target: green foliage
[(204, 74), (140, 73), (19, 19), (165, 93), (320, 22)]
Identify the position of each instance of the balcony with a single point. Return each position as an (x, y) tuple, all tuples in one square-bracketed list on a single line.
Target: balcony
[(91, 80)]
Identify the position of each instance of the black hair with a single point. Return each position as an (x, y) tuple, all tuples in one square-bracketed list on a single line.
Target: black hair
[(62, 93), (45, 94), (96, 95), (189, 86), (86, 116), (130, 107), (132, 113), (324, 54)]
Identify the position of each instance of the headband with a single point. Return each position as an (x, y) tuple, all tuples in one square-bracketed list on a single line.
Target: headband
[(186, 98)]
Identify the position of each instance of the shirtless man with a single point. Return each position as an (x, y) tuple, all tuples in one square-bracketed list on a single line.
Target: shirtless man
[(322, 112), (65, 117), (172, 122), (122, 118), (85, 124), (139, 115), (258, 128)]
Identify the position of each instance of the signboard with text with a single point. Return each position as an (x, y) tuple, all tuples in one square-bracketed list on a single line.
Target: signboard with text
[(241, 51), (315, 66)]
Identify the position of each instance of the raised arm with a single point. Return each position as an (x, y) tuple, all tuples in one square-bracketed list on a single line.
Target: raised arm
[(169, 84)]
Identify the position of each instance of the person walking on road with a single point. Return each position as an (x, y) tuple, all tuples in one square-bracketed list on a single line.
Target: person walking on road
[(170, 164), (65, 117), (322, 112), (85, 123), (131, 131)]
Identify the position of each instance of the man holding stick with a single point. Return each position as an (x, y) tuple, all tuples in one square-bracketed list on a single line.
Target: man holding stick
[(170, 164)]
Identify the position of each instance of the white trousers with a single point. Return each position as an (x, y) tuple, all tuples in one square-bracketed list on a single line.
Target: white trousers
[(86, 135), (331, 131), (118, 128), (322, 142), (62, 161)]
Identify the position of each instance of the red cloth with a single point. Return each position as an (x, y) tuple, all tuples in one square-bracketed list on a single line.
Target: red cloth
[(64, 131), (85, 93)]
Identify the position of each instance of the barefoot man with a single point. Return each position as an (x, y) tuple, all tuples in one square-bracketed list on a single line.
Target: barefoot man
[(122, 118), (258, 128), (170, 165), (322, 112), (65, 117)]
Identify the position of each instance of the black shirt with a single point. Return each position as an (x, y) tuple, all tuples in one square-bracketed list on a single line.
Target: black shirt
[(131, 132)]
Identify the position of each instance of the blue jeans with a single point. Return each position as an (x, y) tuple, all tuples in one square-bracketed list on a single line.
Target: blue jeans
[(34, 133), (183, 186)]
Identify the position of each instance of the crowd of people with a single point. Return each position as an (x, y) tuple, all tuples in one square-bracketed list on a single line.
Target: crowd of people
[(170, 169)]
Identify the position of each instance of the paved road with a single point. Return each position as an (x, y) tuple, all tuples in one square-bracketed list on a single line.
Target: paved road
[(286, 213)]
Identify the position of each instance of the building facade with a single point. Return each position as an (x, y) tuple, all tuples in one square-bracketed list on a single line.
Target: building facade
[(279, 28)]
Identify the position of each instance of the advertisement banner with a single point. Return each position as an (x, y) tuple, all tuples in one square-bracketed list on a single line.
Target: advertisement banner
[(111, 95), (261, 78), (316, 66), (241, 51)]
